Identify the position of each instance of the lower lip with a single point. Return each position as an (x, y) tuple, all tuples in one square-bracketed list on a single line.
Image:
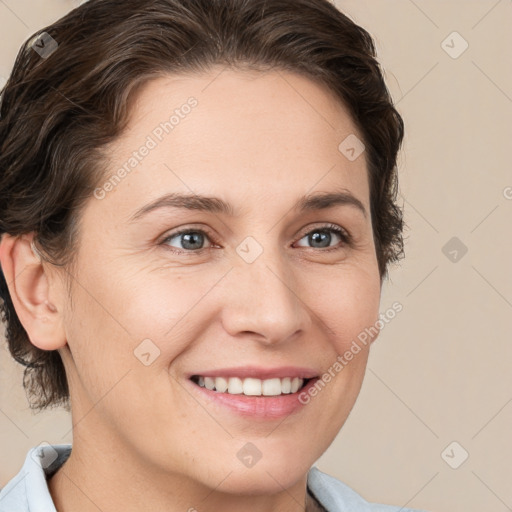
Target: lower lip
[(264, 407)]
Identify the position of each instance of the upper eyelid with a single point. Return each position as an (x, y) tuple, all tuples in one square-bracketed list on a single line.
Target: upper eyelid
[(329, 226)]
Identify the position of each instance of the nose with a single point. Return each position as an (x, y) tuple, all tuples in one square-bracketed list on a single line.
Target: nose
[(262, 302)]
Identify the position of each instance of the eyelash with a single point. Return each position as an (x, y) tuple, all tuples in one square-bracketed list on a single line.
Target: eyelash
[(343, 234)]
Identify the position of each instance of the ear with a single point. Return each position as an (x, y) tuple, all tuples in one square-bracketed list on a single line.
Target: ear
[(29, 291)]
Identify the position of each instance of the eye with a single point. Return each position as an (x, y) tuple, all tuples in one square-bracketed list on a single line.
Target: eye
[(322, 237), (192, 240)]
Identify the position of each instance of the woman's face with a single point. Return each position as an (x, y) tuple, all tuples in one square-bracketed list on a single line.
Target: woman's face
[(262, 289)]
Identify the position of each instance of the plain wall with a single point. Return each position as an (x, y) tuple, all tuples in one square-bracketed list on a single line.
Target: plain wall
[(440, 371)]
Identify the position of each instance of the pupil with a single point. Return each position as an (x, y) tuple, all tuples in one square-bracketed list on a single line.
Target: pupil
[(188, 237), (318, 235)]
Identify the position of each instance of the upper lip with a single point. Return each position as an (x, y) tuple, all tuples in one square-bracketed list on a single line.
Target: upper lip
[(257, 372)]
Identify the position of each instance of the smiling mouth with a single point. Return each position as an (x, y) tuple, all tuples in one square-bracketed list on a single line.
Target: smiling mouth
[(250, 386)]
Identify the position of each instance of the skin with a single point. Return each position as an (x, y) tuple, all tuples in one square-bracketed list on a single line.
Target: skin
[(259, 141)]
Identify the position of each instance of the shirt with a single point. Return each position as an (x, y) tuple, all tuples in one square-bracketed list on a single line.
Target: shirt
[(28, 490)]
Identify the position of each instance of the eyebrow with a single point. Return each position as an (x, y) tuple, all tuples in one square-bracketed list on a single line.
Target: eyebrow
[(313, 202)]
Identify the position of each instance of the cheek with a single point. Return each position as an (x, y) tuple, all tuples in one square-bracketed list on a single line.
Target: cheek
[(168, 308), (348, 305), (123, 335), (99, 344), (140, 323)]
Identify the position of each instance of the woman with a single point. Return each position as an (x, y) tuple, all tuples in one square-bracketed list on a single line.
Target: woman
[(198, 215)]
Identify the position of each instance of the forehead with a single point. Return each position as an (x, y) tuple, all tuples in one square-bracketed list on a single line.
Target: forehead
[(262, 103), (233, 133)]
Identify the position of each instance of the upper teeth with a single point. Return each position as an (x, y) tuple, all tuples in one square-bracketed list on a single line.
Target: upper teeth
[(251, 386)]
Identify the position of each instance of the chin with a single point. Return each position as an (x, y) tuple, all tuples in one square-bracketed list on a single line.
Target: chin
[(264, 477), (264, 482)]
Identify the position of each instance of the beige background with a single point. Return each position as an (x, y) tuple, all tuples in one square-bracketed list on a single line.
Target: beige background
[(440, 371)]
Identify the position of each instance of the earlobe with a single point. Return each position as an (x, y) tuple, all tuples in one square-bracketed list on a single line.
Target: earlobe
[(29, 291)]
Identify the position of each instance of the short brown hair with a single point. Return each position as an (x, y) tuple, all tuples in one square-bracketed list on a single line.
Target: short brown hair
[(57, 111)]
